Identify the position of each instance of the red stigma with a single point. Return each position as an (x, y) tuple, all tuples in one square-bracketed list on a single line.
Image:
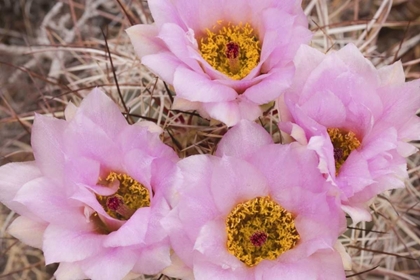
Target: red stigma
[(338, 154), (258, 238), (113, 203), (232, 50)]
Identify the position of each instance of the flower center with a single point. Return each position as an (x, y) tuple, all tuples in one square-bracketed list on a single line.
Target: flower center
[(344, 142), (233, 49), (131, 195), (260, 229)]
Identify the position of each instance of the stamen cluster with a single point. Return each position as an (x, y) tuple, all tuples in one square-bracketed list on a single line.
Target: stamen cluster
[(260, 229), (231, 49), (344, 142), (130, 196)]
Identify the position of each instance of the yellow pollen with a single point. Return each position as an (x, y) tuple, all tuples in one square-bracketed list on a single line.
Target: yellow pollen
[(260, 229), (344, 142), (131, 195), (231, 49)]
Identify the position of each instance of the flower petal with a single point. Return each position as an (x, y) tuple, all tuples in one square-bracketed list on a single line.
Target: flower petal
[(325, 264), (12, 177), (69, 271), (132, 232), (197, 87), (243, 139), (47, 143), (28, 231), (153, 259), (235, 181), (392, 74), (143, 38), (226, 112), (45, 200), (270, 88), (211, 242), (67, 245), (94, 107), (112, 264)]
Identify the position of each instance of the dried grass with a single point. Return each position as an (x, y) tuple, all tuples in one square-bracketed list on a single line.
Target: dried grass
[(56, 53)]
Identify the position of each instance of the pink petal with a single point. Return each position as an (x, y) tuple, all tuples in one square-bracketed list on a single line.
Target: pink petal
[(197, 87), (325, 264), (159, 210), (132, 232), (355, 61), (103, 112), (205, 270), (111, 264), (181, 243), (283, 32), (274, 84), (70, 111), (153, 259), (164, 11), (200, 15), (294, 131), (69, 271), (84, 138), (348, 67), (235, 181), (285, 53), (186, 105), (357, 213), (226, 112), (88, 198), (47, 143), (81, 170), (243, 139), (28, 231), (406, 149), (44, 199), (354, 174), (282, 165), (178, 43), (138, 165), (178, 269), (143, 38), (148, 140), (12, 177), (323, 147), (392, 74), (69, 245), (305, 61), (163, 178), (197, 205), (248, 110), (163, 64), (400, 109), (211, 242), (379, 141), (326, 108)]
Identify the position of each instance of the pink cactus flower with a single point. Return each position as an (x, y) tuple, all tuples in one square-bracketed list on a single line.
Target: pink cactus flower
[(357, 118), (256, 210), (93, 197), (223, 58)]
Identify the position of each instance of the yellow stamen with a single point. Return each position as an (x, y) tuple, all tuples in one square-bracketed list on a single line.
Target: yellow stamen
[(344, 142), (260, 229), (131, 195), (231, 49)]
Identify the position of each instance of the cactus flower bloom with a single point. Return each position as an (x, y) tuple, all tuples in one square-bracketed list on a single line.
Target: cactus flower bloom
[(256, 210), (93, 197), (223, 58), (358, 119)]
